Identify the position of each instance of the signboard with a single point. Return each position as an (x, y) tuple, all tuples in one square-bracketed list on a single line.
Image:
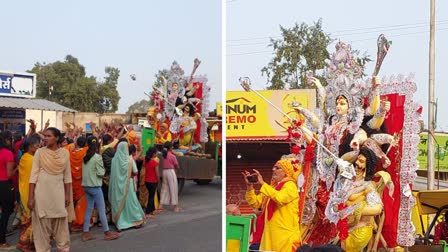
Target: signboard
[(12, 120), (12, 114), (249, 116), (441, 157), (18, 84)]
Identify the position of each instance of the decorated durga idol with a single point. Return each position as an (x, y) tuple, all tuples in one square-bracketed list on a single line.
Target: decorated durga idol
[(357, 156), (178, 114), (180, 108)]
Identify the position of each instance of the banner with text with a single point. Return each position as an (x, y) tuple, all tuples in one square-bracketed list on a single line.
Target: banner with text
[(18, 84), (440, 149), (248, 116)]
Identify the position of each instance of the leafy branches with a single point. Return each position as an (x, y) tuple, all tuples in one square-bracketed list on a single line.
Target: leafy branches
[(66, 83)]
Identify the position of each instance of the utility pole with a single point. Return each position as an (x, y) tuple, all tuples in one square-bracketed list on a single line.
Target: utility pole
[(431, 100)]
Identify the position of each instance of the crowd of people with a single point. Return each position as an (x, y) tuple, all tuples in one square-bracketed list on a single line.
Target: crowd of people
[(58, 183)]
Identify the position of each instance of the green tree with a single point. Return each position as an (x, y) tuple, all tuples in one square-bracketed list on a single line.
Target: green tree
[(158, 80), (66, 83), (158, 83), (143, 105), (139, 107), (107, 93), (301, 49)]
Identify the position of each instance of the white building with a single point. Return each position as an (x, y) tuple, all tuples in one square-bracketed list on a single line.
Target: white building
[(14, 112)]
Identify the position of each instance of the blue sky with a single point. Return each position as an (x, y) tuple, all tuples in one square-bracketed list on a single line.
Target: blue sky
[(137, 37), (250, 23)]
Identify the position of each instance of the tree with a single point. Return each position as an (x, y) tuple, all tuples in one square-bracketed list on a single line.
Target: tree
[(301, 49), (107, 92), (139, 107), (143, 105), (159, 82), (66, 83)]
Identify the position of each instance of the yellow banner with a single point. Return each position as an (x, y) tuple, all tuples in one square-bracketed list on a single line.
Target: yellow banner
[(249, 116), (219, 109)]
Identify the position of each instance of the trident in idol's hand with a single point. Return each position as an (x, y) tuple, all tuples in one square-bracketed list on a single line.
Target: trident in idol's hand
[(246, 84)]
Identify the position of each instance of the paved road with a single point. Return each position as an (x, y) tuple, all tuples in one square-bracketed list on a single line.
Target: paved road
[(421, 183), (196, 228)]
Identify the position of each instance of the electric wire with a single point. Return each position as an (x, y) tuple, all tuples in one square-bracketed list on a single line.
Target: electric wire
[(350, 41), (364, 30)]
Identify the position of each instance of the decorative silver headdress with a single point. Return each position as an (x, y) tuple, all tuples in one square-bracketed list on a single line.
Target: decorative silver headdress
[(344, 77)]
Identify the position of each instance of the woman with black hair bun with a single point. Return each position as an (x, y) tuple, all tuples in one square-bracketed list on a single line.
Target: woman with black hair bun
[(92, 180), (151, 179), (79, 200), (169, 191)]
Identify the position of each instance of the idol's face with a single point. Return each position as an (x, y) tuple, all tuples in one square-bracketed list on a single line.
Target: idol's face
[(360, 166), (341, 105)]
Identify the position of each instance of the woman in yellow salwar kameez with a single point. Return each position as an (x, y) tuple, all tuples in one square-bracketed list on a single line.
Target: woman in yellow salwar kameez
[(279, 203), (31, 144)]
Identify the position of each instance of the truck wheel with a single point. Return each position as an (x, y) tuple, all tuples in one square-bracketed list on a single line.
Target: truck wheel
[(202, 181), (180, 185)]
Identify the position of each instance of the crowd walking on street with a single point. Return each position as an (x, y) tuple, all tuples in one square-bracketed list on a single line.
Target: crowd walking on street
[(56, 183)]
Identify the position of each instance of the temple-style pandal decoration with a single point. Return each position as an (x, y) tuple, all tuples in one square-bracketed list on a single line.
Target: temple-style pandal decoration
[(357, 120)]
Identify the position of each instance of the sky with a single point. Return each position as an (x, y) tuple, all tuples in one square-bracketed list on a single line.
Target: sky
[(250, 24), (137, 37)]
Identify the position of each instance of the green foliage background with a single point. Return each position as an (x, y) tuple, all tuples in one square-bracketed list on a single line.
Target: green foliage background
[(66, 83)]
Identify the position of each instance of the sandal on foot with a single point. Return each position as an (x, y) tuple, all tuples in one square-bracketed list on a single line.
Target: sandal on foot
[(76, 229), (87, 237), (108, 236), (6, 247), (177, 209), (159, 210), (149, 216)]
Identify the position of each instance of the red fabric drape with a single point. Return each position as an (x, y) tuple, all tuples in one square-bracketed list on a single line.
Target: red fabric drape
[(256, 236), (306, 170), (272, 205), (198, 94), (393, 123)]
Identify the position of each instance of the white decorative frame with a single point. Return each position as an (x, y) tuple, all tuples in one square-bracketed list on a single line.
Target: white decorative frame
[(405, 86)]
